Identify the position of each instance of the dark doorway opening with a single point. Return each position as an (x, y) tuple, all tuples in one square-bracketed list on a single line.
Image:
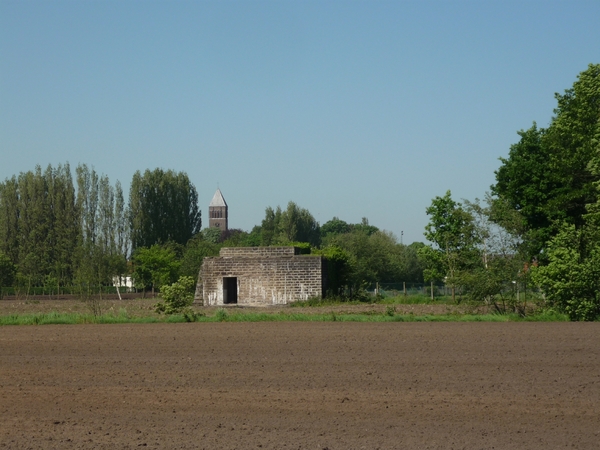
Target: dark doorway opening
[(230, 294)]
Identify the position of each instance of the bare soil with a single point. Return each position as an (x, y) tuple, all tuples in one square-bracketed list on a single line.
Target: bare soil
[(299, 385)]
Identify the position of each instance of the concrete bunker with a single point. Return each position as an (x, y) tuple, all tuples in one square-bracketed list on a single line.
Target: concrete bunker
[(260, 276)]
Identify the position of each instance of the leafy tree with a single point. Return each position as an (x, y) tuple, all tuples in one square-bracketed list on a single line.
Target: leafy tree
[(155, 266), (212, 235), (9, 219), (548, 176), (103, 241), (65, 224), (374, 258), (195, 251), (295, 224), (254, 238), (7, 271), (335, 226), (339, 270), (409, 265), (571, 279), (34, 227), (270, 226), (298, 225), (163, 207), (452, 233), (39, 224), (365, 227), (501, 265)]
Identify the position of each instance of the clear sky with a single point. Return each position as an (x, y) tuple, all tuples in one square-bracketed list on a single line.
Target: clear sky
[(349, 108)]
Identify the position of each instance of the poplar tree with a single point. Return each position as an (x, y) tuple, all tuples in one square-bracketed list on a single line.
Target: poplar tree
[(34, 228), (64, 222), (163, 207), (9, 219)]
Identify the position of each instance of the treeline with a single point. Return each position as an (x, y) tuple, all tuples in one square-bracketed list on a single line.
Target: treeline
[(540, 226), (358, 254), (75, 235), (57, 232)]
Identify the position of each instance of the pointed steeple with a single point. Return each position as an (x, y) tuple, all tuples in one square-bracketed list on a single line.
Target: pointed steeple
[(218, 199), (218, 214)]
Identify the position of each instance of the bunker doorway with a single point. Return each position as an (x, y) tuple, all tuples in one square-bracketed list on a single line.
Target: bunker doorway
[(230, 294)]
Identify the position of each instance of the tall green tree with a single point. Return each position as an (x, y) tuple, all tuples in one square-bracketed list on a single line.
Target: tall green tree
[(103, 242), (195, 251), (571, 279), (64, 222), (9, 218), (155, 266), (7, 271), (451, 231), (548, 176), (500, 269), (38, 224), (35, 225), (294, 224), (163, 207)]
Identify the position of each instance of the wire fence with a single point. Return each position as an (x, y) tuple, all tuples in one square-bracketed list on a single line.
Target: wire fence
[(68, 291), (435, 290), (407, 288)]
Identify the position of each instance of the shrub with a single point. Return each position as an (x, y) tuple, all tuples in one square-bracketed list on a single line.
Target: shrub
[(177, 298)]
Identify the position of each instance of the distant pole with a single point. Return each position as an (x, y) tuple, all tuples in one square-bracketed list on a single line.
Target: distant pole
[(432, 290), (404, 287), (401, 234)]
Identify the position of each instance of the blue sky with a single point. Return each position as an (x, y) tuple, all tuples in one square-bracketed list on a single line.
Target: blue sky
[(351, 109)]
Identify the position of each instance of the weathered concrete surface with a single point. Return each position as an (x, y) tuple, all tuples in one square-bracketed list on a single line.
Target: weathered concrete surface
[(264, 276)]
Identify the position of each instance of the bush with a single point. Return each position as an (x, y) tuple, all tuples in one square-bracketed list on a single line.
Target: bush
[(571, 279), (177, 298)]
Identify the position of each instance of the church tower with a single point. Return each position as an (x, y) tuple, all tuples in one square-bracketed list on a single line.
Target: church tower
[(217, 212)]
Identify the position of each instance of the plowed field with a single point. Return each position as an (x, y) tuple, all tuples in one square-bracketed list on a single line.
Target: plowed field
[(301, 386)]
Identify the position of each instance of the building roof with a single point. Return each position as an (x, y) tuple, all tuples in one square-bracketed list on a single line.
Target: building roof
[(218, 199)]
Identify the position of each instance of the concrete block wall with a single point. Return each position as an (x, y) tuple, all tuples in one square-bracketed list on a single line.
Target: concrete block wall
[(265, 276)]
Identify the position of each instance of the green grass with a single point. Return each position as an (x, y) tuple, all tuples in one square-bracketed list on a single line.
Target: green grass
[(413, 299), (222, 315)]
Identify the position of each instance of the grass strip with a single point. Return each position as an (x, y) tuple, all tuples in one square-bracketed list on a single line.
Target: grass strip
[(223, 315)]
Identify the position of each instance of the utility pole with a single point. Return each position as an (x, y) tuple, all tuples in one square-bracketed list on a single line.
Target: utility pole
[(401, 234)]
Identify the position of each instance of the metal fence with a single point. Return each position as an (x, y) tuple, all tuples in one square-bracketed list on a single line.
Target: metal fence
[(407, 288), (433, 290), (45, 292)]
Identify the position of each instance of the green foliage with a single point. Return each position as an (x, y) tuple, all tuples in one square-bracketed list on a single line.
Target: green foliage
[(195, 251), (212, 235), (499, 271), (451, 229), (303, 248), (365, 227), (7, 271), (155, 266), (552, 177), (48, 229), (335, 226), (177, 298), (163, 207), (295, 224), (221, 315), (338, 269), (549, 176), (571, 279), (367, 257)]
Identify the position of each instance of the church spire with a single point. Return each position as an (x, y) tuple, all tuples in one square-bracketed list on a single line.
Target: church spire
[(218, 212)]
